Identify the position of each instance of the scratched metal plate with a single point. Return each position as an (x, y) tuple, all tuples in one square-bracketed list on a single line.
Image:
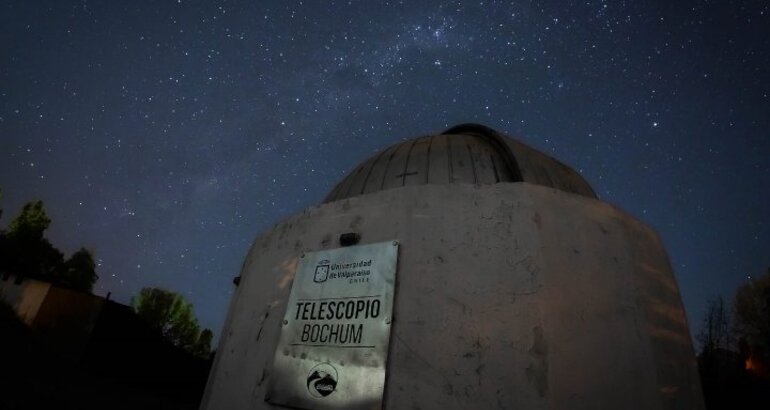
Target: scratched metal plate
[(333, 347)]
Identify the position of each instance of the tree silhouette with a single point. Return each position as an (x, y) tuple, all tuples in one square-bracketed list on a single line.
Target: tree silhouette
[(170, 314), (752, 314), (31, 222), (79, 271), (25, 251), (716, 332), (203, 344)]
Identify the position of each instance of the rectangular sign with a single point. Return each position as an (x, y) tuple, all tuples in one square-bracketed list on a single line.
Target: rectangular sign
[(334, 338)]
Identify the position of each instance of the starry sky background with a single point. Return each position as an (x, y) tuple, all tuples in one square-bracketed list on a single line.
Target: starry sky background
[(166, 135)]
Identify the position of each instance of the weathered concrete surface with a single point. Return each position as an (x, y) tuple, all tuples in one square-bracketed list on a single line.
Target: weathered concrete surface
[(507, 296), (25, 296)]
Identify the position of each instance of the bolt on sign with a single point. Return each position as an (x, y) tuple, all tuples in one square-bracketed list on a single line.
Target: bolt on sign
[(333, 347)]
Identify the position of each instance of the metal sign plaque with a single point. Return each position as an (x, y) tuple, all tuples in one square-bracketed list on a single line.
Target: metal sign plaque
[(333, 346)]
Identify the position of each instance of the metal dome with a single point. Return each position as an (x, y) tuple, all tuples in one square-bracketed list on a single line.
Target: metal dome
[(466, 153)]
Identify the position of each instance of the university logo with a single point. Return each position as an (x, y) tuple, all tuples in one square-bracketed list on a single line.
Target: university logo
[(321, 272), (322, 380)]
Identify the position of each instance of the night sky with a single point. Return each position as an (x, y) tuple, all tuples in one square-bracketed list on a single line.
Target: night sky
[(166, 135)]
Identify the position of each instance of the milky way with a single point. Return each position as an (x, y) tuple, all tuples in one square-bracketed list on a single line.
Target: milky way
[(166, 135)]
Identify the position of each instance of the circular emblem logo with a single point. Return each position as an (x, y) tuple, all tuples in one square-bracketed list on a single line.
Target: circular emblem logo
[(322, 380)]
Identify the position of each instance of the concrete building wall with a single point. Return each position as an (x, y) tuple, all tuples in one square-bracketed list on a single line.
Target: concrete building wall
[(63, 317), (25, 296), (65, 320), (507, 296)]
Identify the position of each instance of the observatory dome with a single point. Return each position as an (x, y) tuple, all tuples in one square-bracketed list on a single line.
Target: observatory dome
[(463, 154), (499, 280)]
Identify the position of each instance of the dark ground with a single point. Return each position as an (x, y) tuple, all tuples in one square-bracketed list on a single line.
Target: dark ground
[(32, 377), (727, 385), (112, 375)]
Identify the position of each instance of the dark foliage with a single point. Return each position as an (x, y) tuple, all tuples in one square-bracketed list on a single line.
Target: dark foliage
[(126, 365), (170, 314), (79, 271), (752, 314), (733, 359), (25, 251)]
